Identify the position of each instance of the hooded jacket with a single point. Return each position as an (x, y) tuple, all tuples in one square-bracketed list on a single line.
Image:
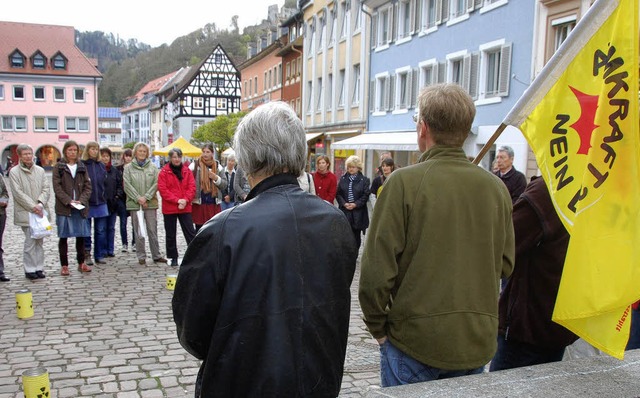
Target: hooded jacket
[(263, 295)]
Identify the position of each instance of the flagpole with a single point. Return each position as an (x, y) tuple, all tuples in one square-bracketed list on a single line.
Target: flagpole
[(489, 143)]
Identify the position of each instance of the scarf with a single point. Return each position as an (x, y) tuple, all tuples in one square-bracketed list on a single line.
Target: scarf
[(206, 185), (350, 197), (177, 170), (108, 166)]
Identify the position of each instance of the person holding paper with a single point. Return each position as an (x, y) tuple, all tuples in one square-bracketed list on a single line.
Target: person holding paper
[(72, 187)]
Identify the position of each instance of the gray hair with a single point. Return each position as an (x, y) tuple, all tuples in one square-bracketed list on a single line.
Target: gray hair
[(175, 151), (271, 140), (231, 156), (23, 147), (508, 150)]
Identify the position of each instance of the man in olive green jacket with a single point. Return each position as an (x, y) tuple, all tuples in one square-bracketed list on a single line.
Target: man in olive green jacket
[(440, 240)]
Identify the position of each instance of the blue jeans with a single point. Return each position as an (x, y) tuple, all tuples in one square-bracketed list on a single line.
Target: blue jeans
[(111, 232), (515, 354), (99, 235), (398, 368), (224, 205)]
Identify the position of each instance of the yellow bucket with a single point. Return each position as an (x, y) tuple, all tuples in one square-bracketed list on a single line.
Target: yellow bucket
[(171, 281), (35, 383), (24, 304)]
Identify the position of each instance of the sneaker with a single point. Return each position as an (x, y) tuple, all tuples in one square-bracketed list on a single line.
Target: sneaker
[(125, 248), (160, 260), (41, 274), (64, 271), (89, 261), (84, 267), (174, 262), (30, 275), (4, 278)]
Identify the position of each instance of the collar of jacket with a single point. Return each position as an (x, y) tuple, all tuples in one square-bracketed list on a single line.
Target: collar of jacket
[(272, 182), (62, 165), (442, 152)]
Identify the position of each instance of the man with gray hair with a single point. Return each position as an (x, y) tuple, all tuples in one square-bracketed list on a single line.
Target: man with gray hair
[(31, 189), (515, 181), (263, 294), (439, 241)]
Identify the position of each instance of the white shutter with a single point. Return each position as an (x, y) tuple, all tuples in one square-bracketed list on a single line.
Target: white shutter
[(466, 72), (374, 31), (470, 4), (393, 22), (391, 85), (417, 14), (438, 13), (442, 72), (473, 79), (478, 4), (372, 96), (414, 90), (505, 70), (445, 11)]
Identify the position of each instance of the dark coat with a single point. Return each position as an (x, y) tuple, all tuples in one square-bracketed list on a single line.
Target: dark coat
[(67, 188), (527, 302), (98, 174), (113, 188), (263, 295), (358, 217), (515, 181)]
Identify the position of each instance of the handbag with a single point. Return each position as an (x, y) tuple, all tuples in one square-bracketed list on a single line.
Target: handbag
[(40, 227), (142, 225)]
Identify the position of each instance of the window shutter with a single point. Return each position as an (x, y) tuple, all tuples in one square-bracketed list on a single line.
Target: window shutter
[(414, 90), (417, 20), (470, 4), (445, 11), (372, 95), (391, 86), (438, 12), (466, 72), (478, 4), (505, 70), (393, 22), (413, 19), (473, 79), (374, 31), (442, 72)]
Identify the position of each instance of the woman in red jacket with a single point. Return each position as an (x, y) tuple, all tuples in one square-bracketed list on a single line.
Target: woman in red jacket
[(177, 188), (325, 181)]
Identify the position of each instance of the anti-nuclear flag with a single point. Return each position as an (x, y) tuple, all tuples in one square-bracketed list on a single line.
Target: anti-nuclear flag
[(580, 117)]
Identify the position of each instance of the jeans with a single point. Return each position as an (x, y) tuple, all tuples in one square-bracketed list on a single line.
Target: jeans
[(634, 333), (224, 205), (111, 233), (515, 354), (189, 232), (123, 214), (398, 368), (99, 235)]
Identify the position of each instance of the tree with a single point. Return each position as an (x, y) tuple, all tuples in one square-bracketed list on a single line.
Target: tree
[(129, 145), (219, 131)]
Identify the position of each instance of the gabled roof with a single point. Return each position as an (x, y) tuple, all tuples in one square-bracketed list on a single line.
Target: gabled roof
[(146, 95), (29, 38)]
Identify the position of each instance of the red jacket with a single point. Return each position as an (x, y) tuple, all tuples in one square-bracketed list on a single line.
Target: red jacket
[(171, 189), (326, 185)]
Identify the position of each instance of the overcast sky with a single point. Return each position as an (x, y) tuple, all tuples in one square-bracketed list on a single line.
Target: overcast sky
[(148, 22)]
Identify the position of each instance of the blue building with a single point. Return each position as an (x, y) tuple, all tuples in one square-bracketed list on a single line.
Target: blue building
[(485, 46)]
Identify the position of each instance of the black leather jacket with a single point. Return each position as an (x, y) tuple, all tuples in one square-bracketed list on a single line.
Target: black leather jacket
[(263, 295)]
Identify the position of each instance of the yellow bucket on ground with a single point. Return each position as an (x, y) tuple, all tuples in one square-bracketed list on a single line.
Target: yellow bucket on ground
[(171, 281), (24, 304), (35, 383)]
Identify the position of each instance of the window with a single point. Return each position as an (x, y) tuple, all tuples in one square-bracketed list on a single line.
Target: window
[(561, 28), (52, 123), (457, 8), (58, 94), (430, 14), (319, 95), (342, 83), (355, 97), (78, 94), (217, 58), (312, 38), (83, 124), (456, 67), (198, 102), (196, 124), (404, 19), (330, 91), (59, 62), (279, 75), (255, 86), (320, 42), (17, 60), (1, 91), (265, 85), (403, 88), (358, 14), (382, 84), (7, 123), (245, 89), (495, 70), (384, 27), (18, 92), (332, 27), (221, 103), (38, 61), (38, 93), (21, 123), (288, 72), (343, 15), (70, 124), (221, 82), (309, 97), (39, 123)]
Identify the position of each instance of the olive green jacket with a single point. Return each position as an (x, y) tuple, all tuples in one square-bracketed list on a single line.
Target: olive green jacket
[(141, 181), (440, 239)]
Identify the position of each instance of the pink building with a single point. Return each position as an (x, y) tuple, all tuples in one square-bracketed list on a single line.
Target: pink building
[(48, 91)]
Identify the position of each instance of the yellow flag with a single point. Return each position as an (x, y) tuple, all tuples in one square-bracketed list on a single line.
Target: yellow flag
[(580, 117)]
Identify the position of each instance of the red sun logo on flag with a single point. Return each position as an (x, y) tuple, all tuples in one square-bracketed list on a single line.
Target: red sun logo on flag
[(586, 122)]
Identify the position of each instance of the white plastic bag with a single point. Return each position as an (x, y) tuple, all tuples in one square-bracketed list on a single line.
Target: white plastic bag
[(142, 225), (39, 227)]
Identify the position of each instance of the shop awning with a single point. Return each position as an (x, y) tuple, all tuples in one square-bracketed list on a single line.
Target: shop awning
[(311, 136), (389, 141)]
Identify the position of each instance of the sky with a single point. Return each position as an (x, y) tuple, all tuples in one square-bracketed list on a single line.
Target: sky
[(149, 22)]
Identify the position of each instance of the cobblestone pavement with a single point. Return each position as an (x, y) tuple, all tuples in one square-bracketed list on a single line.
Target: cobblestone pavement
[(110, 333)]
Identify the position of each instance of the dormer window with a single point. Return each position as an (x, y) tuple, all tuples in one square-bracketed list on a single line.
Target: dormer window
[(17, 59), (38, 61), (59, 62)]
